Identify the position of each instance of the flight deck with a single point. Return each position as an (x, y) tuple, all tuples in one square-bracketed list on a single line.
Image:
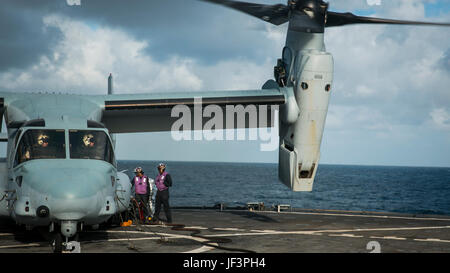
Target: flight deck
[(198, 230)]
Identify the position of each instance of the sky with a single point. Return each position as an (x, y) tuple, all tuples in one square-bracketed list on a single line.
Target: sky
[(390, 101)]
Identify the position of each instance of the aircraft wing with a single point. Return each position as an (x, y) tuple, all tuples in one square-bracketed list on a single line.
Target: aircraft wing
[(156, 112)]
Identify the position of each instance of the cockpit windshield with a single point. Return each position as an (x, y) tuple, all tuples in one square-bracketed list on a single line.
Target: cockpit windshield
[(89, 144), (41, 144)]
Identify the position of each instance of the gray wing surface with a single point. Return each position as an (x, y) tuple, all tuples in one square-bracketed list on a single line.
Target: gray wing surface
[(154, 112)]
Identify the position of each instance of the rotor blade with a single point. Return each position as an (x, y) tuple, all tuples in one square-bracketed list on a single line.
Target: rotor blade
[(340, 19), (275, 14)]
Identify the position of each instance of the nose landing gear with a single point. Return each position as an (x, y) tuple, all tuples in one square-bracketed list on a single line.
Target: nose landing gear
[(68, 230)]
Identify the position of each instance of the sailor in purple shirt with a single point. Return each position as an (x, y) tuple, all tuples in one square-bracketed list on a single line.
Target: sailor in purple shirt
[(143, 187), (163, 181)]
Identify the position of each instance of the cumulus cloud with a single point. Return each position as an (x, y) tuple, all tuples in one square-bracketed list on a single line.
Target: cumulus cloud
[(351, 4), (83, 58), (235, 74), (441, 118), (85, 55), (398, 71), (444, 62), (356, 118), (389, 80)]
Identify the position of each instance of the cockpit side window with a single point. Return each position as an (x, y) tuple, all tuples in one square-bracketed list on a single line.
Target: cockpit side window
[(90, 144), (41, 144)]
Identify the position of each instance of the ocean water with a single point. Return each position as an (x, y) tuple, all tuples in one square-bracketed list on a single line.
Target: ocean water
[(415, 190)]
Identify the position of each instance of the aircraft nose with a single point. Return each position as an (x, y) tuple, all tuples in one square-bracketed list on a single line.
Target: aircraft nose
[(73, 184), (72, 193)]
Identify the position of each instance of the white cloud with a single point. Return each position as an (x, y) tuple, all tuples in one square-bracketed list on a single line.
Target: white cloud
[(386, 77), (364, 90), (404, 9), (349, 4), (395, 72), (235, 74), (85, 56), (356, 118), (441, 118), (373, 2)]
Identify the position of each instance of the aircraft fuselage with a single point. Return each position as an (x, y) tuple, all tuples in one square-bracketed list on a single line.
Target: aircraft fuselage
[(60, 168)]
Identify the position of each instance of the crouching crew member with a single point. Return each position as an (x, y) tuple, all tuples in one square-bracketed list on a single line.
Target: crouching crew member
[(143, 189), (163, 182)]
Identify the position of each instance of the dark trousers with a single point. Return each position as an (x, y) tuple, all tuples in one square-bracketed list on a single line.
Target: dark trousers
[(143, 198), (162, 197)]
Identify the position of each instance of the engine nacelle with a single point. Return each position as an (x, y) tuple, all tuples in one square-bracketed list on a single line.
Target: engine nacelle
[(299, 153)]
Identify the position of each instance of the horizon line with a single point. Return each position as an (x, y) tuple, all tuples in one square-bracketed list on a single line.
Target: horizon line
[(275, 163)]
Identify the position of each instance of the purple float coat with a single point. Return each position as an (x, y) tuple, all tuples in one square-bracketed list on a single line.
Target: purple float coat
[(141, 184), (160, 181)]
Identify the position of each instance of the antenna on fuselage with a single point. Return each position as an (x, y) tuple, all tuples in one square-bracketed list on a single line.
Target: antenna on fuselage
[(110, 84), (110, 92)]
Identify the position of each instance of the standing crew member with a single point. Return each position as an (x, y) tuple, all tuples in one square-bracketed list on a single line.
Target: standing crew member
[(142, 187), (163, 182)]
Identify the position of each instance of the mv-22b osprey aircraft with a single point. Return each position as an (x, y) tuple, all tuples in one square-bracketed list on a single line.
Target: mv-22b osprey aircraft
[(61, 170)]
